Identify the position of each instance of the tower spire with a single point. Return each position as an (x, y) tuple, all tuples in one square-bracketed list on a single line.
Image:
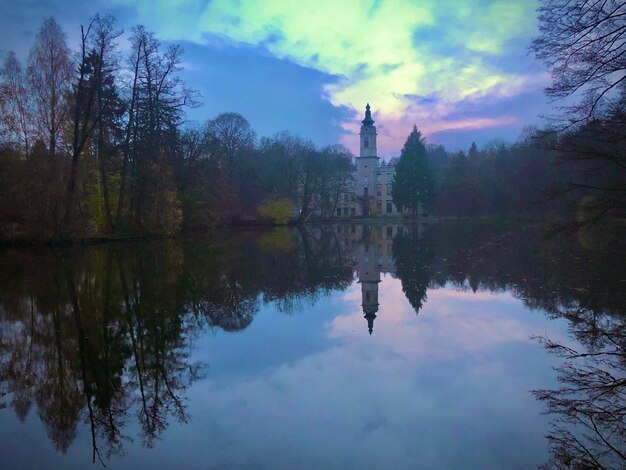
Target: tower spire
[(368, 121)]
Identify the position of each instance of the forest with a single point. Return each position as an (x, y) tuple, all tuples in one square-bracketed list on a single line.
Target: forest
[(94, 143)]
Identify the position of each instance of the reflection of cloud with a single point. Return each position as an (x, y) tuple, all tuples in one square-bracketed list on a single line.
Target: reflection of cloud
[(451, 324), (413, 59), (393, 400)]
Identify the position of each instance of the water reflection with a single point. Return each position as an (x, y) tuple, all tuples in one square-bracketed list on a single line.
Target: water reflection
[(104, 335)]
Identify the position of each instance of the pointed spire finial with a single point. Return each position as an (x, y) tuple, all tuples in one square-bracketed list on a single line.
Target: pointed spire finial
[(368, 121)]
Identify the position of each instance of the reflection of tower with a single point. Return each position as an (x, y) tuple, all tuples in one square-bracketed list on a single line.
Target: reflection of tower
[(369, 277)]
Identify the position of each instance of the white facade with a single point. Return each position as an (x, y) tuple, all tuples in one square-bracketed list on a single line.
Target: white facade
[(370, 191)]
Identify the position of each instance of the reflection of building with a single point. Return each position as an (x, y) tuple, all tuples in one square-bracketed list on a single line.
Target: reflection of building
[(369, 277), (369, 193), (370, 247)]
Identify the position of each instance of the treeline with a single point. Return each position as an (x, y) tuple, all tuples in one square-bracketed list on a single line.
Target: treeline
[(498, 179), (93, 142), (578, 167), (576, 175)]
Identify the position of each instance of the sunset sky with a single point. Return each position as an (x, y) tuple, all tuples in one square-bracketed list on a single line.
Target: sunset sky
[(459, 69)]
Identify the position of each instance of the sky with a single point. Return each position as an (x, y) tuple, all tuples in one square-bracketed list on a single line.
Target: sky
[(458, 69)]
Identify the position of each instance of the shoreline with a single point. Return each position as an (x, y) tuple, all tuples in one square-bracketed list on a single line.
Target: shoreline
[(20, 242)]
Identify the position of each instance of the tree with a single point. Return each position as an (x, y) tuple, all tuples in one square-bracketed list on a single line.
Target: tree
[(230, 137), (109, 106), (582, 42), (472, 154), (16, 115), (157, 100), (49, 76), (93, 94), (413, 184), (336, 177)]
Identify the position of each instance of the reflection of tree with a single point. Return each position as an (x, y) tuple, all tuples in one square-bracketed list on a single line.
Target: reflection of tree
[(589, 429), (102, 335), (413, 258), (158, 344), (236, 314), (92, 336)]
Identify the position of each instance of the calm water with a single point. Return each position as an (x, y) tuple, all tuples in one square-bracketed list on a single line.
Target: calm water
[(347, 346)]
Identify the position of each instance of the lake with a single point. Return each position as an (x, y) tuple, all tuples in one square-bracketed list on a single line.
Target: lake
[(469, 345)]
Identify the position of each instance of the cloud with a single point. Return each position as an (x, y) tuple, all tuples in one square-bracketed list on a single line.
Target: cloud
[(384, 51)]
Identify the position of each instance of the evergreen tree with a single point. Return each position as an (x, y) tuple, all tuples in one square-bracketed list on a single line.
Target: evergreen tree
[(413, 184), (473, 152)]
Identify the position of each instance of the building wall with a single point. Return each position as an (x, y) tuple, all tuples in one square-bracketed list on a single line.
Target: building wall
[(377, 179), (371, 182)]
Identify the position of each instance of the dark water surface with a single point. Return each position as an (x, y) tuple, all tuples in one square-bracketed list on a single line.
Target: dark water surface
[(253, 350)]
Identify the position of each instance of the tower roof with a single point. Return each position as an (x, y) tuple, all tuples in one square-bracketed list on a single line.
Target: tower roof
[(368, 121)]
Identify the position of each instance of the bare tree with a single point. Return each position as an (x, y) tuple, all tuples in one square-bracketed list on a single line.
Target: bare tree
[(15, 103), (583, 42), (137, 40), (229, 135), (49, 76)]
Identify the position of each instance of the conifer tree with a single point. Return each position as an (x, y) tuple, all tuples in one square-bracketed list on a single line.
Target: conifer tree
[(413, 184)]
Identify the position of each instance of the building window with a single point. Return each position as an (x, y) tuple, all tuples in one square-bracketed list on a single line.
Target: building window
[(365, 191), (379, 207), (352, 212), (389, 208), (390, 231), (388, 190), (345, 197), (377, 177), (366, 179), (378, 193)]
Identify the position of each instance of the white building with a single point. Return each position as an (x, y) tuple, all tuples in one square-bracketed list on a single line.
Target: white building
[(369, 193)]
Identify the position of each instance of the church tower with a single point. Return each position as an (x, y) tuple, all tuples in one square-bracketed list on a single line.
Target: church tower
[(367, 163), (368, 135)]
